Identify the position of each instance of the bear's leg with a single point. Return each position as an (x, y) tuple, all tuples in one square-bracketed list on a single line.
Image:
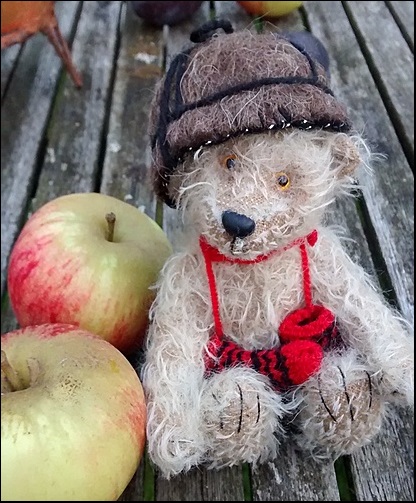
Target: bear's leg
[(242, 415), (341, 409)]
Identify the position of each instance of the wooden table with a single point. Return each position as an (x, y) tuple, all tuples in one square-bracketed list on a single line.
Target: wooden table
[(58, 140)]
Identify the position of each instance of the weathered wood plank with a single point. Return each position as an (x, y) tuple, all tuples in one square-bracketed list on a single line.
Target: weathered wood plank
[(404, 14), (25, 111), (293, 477), (126, 166), (390, 204), (385, 471), (391, 62), (75, 132), (391, 212), (223, 485), (9, 58), (77, 120), (203, 485), (183, 487), (372, 481)]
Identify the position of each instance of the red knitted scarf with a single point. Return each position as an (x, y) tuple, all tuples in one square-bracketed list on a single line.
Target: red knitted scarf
[(304, 333)]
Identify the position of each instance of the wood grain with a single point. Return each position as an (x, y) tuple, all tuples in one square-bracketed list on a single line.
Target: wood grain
[(390, 211), (25, 112), (203, 485), (126, 165), (125, 172), (75, 132), (390, 205), (293, 477), (9, 58), (404, 13), (382, 470), (391, 62)]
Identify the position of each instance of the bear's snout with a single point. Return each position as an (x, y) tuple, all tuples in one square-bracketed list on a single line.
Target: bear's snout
[(237, 225)]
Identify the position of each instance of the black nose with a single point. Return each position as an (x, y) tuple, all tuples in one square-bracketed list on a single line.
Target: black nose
[(238, 226)]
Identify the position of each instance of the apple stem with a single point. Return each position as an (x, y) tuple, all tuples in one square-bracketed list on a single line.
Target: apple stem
[(11, 378), (111, 222)]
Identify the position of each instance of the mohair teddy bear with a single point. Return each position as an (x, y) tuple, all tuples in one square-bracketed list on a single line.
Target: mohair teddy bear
[(262, 319)]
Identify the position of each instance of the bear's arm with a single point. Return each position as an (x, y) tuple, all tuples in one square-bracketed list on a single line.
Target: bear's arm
[(173, 371), (367, 322)]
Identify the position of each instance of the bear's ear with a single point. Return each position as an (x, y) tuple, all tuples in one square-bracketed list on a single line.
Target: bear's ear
[(346, 155)]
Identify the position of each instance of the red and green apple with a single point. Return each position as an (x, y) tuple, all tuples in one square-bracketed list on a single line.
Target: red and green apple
[(89, 260)]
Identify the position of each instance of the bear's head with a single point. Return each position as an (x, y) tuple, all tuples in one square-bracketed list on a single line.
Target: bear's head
[(248, 140)]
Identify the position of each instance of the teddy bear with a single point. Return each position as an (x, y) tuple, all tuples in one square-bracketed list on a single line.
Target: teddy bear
[(261, 319)]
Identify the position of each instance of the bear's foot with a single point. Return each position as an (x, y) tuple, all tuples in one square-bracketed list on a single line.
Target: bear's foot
[(242, 416), (341, 410)]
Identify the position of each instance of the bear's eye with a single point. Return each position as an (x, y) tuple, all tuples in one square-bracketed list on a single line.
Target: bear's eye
[(230, 162), (283, 181)]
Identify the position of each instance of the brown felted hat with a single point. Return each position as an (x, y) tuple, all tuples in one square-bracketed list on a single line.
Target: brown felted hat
[(231, 84)]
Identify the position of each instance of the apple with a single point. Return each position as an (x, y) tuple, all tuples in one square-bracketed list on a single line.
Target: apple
[(73, 416), (72, 264), (269, 9)]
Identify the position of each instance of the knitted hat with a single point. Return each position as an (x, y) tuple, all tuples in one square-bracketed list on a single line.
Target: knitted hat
[(229, 84)]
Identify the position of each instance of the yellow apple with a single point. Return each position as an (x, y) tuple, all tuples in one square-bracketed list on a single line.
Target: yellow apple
[(71, 265), (73, 416), (269, 9)]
